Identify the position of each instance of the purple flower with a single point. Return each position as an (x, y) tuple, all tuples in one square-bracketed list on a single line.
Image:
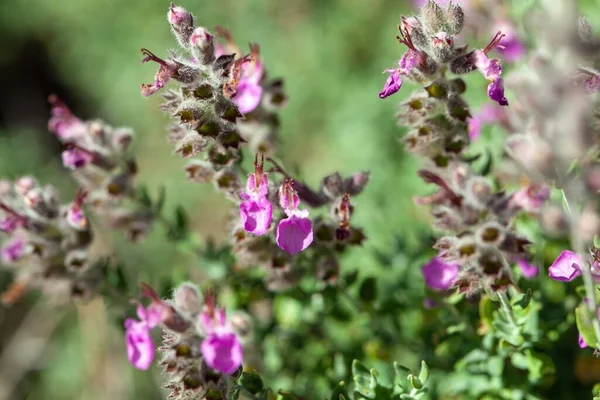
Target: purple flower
[(488, 114), (294, 233), (491, 70), (531, 198), (440, 275), (221, 348), (166, 70), (140, 346), (256, 210), (63, 123), (392, 84), (496, 92), (566, 267), (411, 59), (10, 222), (13, 250), (249, 92), (528, 270), (512, 48), (76, 158)]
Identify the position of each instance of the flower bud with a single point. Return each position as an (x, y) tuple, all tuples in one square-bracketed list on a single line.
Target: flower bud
[(333, 185), (182, 24), (76, 261), (433, 18), (122, 138), (199, 171), (585, 30), (455, 19), (356, 183), (187, 299), (25, 184), (203, 46)]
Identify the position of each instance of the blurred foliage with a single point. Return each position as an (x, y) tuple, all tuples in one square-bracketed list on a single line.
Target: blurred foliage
[(331, 54)]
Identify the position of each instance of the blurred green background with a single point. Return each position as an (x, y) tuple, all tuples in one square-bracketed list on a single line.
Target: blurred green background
[(331, 54)]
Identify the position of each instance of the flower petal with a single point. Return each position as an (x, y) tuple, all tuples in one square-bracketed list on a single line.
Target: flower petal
[(294, 234), (392, 85), (496, 92), (256, 214), (528, 270), (248, 96), (222, 352), (140, 347), (566, 267), (440, 275)]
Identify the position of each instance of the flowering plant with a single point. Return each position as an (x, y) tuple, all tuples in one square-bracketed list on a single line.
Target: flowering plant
[(309, 291)]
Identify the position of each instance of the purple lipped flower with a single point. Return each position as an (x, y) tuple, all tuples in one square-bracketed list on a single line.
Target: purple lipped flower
[(76, 158), (63, 123), (512, 47), (140, 346), (491, 70), (13, 250), (256, 210), (294, 233), (566, 267), (221, 348), (166, 70), (440, 275), (392, 84), (531, 198), (249, 91), (528, 270), (411, 59), (496, 92), (9, 223)]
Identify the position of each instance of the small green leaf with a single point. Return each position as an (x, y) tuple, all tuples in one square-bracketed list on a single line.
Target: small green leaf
[(584, 324), (401, 376), (364, 381), (251, 381), (565, 202), (486, 310), (424, 374), (415, 382)]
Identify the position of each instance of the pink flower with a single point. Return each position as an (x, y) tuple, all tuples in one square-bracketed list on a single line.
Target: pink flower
[(12, 251), (411, 59), (221, 348), (165, 72), (249, 92), (531, 198), (491, 70), (440, 275), (76, 158), (140, 347), (255, 210), (10, 222), (392, 84), (63, 123), (294, 233), (528, 270), (566, 267)]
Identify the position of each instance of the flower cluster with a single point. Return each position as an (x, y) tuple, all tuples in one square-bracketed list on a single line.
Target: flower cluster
[(430, 39), (200, 347), (479, 219), (225, 101), (98, 156), (48, 243)]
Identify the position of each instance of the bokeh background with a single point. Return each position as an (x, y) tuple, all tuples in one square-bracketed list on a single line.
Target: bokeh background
[(331, 54)]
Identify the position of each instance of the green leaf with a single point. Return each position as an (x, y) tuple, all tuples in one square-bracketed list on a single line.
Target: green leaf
[(486, 310), (424, 374), (340, 392), (160, 201), (584, 324), (539, 365), (401, 376), (351, 277), (565, 202), (364, 380), (415, 382), (368, 290), (251, 381)]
